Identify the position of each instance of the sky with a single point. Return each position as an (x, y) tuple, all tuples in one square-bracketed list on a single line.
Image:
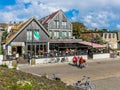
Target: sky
[(101, 14)]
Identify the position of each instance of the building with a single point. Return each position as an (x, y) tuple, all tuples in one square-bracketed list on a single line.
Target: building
[(58, 26), (49, 36), (60, 31), (118, 35), (29, 36), (111, 39)]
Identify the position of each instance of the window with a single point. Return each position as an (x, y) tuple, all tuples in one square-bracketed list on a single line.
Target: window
[(69, 34), (33, 33), (109, 35), (64, 24), (64, 34), (105, 35), (56, 23), (29, 34), (56, 34), (113, 35), (50, 33)]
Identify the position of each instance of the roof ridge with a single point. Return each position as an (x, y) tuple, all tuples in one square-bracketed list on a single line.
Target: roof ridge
[(48, 17), (18, 28)]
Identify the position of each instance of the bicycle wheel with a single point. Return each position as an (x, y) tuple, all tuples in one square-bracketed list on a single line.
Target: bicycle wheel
[(91, 86)]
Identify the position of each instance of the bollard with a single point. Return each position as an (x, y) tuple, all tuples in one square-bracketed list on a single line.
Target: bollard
[(14, 63), (32, 61)]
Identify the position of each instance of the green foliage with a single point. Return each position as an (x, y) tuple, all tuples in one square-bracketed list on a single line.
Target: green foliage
[(78, 28), (22, 84), (17, 80), (1, 50), (3, 65), (4, 35), (99, 39), (104, 30)]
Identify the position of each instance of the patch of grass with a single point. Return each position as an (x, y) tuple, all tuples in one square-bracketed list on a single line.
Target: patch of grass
[(3, 65), (11, 79)]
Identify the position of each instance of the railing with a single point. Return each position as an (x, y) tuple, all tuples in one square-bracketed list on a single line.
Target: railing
[(50, 55)]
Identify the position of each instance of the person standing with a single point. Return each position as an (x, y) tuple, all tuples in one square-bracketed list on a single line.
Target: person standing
[(29, 57), (82, 62), (75, 60)]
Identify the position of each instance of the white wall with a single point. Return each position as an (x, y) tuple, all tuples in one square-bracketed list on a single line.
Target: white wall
[(8, 63), (46, 60), (100, 56), (1, 58)]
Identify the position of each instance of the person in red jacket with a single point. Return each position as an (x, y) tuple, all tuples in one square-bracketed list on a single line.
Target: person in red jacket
[(82, 62), (75, 60)]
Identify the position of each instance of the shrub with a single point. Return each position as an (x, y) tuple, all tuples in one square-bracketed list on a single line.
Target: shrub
[(4, 65)]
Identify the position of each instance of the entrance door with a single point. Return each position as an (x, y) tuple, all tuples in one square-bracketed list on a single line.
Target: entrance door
[(19, 50)]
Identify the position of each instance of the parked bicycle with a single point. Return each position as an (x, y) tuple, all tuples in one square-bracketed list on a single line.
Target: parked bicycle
[(84, 83), (54, 77), (54, 60), (64, 59)]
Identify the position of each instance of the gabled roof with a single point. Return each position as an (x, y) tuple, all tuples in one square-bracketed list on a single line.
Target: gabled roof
[(20, 27), (49, 17)]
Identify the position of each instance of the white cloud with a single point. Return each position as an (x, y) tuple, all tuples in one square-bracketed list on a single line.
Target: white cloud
[(100, 19), (94, 13), (118, 26), (88, 18), (94, 25)]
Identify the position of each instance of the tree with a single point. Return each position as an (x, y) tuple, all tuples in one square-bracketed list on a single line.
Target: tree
[(104, 30), (4, 35), (78, 28), (99, 39)]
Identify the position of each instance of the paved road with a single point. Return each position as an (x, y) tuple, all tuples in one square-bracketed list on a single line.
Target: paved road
[(112, 83), (105, 74)]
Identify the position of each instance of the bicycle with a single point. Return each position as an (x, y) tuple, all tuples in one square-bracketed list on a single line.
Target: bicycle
[(54, 60), (54, 77), (87, 85), (64, 59)]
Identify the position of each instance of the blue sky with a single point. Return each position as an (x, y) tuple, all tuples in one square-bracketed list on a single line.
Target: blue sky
[(93, 13)]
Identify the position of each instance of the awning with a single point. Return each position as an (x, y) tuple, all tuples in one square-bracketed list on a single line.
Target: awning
[(18, 44), (65, 40), (94, 45)]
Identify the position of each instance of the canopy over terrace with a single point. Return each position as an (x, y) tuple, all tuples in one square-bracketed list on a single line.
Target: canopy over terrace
[(94, 48), (93, 45)]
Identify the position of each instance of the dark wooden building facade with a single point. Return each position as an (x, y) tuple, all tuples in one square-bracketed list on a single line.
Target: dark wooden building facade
[(22, 38)]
